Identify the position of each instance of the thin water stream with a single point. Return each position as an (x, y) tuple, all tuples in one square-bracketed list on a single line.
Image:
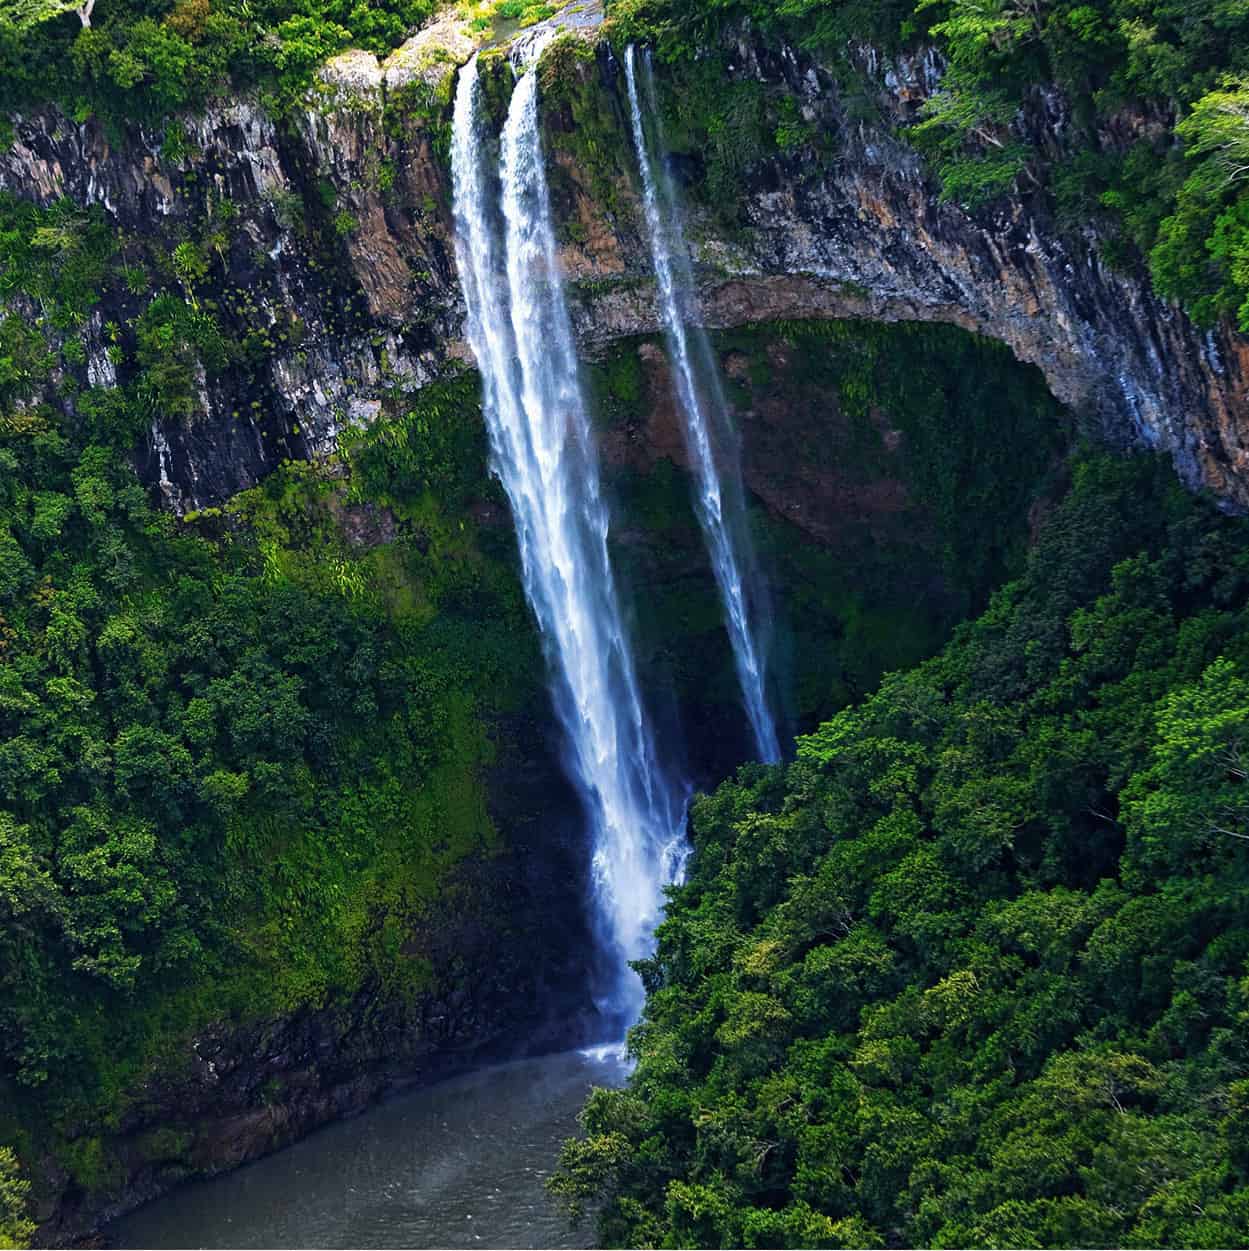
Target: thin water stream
[(709, 435), (459, 1164)]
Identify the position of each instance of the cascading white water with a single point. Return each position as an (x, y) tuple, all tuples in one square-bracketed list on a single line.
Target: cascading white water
[(543, 453), (719, 500)]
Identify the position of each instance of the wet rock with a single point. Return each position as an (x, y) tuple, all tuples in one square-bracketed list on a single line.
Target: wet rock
[(429, 54), (353, 78)]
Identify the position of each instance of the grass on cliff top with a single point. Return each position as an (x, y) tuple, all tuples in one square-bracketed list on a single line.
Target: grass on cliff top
[(136, 63)]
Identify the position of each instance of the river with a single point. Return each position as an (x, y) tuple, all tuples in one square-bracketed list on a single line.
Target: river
[(458, 1164)]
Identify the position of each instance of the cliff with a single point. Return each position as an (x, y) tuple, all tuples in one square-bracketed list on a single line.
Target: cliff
[(335, 266)]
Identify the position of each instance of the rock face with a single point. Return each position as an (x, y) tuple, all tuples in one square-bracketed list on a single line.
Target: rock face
[(346, 288), (865, 235), (339, 257)]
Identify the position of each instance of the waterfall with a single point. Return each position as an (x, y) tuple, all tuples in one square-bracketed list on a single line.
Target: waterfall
[(719, 499), (543, 452)]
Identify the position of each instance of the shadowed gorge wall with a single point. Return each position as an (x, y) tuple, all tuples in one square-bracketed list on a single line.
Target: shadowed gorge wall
[(896, 473)]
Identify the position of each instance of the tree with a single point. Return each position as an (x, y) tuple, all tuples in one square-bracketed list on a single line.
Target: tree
[(16, 1228), (975, 30), (23, 14), (1218, 129), (1194, 798)]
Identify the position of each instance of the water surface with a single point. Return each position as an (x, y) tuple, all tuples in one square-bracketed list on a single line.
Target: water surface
[(458, 1164)]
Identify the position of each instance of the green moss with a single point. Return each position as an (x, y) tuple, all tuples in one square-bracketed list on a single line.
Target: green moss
[(581, 126), (726, 123), (425, 102), (620, 381), (496, 83), (90, 1165), (165, 1144)]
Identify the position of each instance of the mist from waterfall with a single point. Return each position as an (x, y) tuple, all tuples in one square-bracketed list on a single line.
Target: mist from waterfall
[(709, 435), (542, 451)]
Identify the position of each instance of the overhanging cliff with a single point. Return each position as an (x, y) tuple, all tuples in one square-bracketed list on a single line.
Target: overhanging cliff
[(332, 264)]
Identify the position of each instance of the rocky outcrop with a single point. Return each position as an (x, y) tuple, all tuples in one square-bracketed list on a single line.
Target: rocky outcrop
[(339, 255), (865, 235), (344, 285)]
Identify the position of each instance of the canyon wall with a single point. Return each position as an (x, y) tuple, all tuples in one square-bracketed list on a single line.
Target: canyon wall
[(330, 271), (336, 259)]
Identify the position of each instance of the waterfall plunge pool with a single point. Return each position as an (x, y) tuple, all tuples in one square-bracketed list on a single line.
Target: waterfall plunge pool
[(461, 1163)]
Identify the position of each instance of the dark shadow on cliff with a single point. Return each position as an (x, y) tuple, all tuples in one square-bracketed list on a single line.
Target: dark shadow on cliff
[(896, 474)]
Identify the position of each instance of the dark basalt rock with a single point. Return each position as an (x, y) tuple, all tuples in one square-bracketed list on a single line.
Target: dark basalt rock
[(379, 311)]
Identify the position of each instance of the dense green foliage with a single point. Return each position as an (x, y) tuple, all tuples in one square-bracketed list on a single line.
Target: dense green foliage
[(144, 60), (241, 757), (1157, 90), (233, 768), (974, 970), (971, 971), (16, 1227)]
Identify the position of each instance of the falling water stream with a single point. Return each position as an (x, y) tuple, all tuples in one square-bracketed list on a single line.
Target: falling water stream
[(543, 453), (462, 1163), (720, 504)]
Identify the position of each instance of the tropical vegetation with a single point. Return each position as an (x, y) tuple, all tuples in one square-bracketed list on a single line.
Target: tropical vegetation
[(973, 970), (242, 755)]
